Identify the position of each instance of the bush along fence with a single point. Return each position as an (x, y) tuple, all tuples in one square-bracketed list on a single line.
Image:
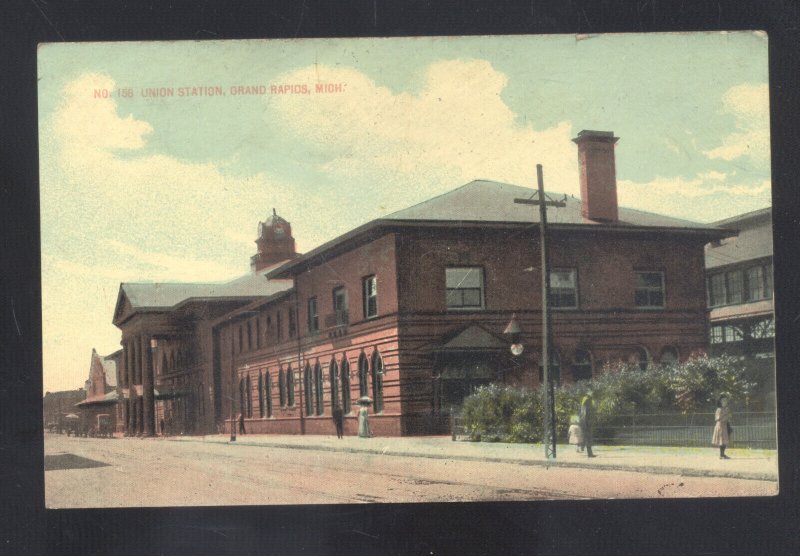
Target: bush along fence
[(666, 405)]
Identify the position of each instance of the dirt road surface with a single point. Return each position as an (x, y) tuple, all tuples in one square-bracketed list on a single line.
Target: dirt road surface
[(123, 472)]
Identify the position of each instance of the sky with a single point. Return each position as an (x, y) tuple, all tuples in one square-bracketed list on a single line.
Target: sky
[(158, 160)]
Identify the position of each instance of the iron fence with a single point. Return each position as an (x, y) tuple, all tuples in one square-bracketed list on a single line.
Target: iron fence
[(750, 430)]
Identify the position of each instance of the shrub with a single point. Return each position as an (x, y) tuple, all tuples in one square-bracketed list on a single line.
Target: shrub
[(499, 412)]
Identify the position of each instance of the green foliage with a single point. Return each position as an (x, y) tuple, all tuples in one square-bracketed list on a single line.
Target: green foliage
[(504, 413), (498, 412), (698, 382)]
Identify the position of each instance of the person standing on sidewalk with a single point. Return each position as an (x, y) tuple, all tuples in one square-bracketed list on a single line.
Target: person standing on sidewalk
[(575, 434), (338, 420), (722, 426), (241, 423), (587, 422), (363, 423)]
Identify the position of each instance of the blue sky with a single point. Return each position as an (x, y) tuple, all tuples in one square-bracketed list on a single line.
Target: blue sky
[(171, 189)]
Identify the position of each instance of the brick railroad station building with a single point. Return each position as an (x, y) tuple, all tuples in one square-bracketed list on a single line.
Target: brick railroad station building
[(409, 309)]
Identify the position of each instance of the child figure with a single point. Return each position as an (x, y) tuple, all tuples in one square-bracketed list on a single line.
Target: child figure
[(575, 434)]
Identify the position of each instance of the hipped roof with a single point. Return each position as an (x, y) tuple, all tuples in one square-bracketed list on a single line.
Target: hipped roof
[(490, 203)]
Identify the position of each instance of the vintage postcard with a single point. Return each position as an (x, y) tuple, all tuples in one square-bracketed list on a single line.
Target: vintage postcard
[(407, 270)]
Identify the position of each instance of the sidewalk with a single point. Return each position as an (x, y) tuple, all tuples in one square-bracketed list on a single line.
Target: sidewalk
[(700, 462)]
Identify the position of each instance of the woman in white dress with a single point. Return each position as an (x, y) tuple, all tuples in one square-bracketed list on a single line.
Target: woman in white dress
[(722, 427)]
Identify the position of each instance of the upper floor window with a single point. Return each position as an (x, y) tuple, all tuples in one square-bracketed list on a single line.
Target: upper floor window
[(734, 284), (464, 287), (564, 289), (292, 323), (649, 289), (740, 285), (340, 305), (313, 319), (370, 287), (278, 325)]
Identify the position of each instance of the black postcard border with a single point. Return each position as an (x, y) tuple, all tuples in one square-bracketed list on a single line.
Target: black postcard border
[(745, 525)]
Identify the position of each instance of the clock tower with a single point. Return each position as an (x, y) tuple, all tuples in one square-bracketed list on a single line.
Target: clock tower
[(275, 243)]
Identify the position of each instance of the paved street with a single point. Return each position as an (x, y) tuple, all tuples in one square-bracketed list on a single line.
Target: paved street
[(87, 472)]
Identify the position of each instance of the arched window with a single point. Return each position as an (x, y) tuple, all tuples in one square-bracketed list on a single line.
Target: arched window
[(641, 358), (164, 365), (290, 385), (363, 370), (333, 378), (268, 393), (669, 355), (242, 407), (345, 375), (241, 340), (248, 399), (309, 389), (261, 394), (319, 399), (249, 336), (377, 382), (282, 387), (582, 365), (172, 366)]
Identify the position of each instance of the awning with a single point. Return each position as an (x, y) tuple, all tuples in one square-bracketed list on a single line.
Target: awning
[(108, 399), (169, 392)]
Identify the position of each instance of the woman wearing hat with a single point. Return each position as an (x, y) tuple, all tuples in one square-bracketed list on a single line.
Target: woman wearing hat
[(363, 423), (722, 426)]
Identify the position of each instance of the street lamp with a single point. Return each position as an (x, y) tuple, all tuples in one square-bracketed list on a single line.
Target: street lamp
[(513, 332)]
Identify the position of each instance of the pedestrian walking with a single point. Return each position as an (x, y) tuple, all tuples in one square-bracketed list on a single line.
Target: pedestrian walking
[(163, 430), (587, 422), (722, 426), (338, 420), (575, 434), (241, 424), (363, 422)]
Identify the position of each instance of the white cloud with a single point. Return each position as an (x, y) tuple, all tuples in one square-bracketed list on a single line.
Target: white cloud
[(455, 129), (706, 197), (749, 104)]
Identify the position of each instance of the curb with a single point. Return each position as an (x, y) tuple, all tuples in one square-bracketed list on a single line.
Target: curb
[(659, 470)]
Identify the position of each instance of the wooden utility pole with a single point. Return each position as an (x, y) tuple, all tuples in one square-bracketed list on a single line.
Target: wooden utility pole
[(233, 383), (543, 202)]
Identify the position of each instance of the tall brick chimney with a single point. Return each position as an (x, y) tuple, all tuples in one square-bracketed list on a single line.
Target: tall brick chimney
[(275, 243), (598, 175)]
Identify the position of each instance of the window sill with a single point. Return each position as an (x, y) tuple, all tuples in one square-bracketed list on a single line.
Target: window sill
[(650, 308)]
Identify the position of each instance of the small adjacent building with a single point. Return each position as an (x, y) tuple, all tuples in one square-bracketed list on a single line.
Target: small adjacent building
[(740, 294), (99, 407)]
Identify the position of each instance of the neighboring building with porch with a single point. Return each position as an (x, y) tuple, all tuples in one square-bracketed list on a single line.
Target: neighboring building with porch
[(99, 407), (409, 309), (740, 293), (57, 405)]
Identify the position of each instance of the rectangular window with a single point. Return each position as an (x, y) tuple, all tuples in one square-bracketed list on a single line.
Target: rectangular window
[(768, 281), (734, 285), (649, 289), (313, 319), (716, 290), (340, 306), (464, 288), (292, 323), (278, 325), (755, 283), (732, 334), (370, 289), (716, 335), (564, 289)]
